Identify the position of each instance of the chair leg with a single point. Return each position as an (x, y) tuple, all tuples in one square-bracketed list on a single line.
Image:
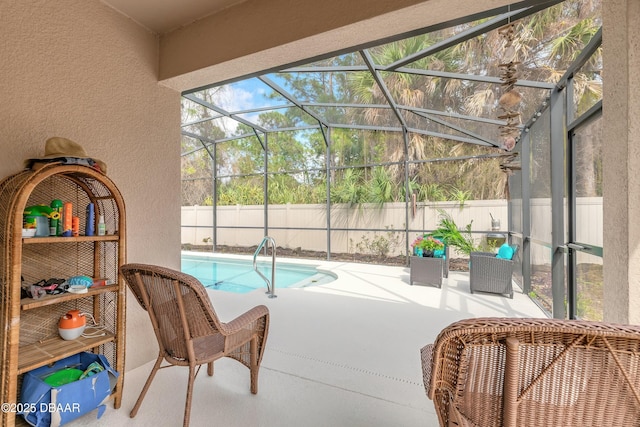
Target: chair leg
[(210, 369), (134, 411), (254, 365), (187, 405)]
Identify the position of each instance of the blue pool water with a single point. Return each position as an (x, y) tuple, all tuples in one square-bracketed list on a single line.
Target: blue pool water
[(234, 275)]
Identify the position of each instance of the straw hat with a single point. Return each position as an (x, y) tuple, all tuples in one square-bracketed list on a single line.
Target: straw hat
[(59, 148)]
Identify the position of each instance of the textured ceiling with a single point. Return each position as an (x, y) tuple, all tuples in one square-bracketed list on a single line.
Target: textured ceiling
[(161, 16)]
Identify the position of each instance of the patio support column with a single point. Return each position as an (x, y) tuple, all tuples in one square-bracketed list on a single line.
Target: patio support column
[(407, 196), (266, 187), (558, 132), (621, 161), (328, 180), (525, 173), (214, 195)]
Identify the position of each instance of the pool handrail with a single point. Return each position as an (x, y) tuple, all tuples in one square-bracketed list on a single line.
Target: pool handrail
[(271, 284)]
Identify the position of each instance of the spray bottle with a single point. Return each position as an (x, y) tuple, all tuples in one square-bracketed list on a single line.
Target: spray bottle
[(102, 228), (55, 224)]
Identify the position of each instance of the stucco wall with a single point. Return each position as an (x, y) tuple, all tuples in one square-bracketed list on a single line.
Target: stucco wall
[(78, 69), (621, 161)]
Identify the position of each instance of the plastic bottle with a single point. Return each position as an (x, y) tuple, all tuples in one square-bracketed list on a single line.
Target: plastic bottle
[(67, 220), (89, 228), (75, 226), (102, 228)]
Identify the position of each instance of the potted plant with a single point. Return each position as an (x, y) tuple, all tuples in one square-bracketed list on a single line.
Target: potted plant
[(429, 265), (417, 245), (448, 231), (428, 246)]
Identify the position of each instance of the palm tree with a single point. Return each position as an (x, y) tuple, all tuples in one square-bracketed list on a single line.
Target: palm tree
[(552, 37)]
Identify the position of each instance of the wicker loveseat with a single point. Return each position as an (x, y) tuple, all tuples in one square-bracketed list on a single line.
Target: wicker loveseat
[(487, 273), (534, 372)]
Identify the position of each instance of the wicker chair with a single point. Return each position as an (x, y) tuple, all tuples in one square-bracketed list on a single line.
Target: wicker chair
[(534, 372), (188, 330), (490, 274)]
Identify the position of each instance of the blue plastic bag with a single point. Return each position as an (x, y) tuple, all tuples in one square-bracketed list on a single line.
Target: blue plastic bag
[(46, 406)]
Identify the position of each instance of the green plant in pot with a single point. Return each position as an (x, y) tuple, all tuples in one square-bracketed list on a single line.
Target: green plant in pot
[(449, 233), (428, 246)]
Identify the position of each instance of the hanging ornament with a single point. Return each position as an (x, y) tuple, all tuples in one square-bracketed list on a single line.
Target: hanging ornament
[(510, 100)]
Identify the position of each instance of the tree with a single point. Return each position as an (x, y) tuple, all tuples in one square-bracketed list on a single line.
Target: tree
[(547, 42)]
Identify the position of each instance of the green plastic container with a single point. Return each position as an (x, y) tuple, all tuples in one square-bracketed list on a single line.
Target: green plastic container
[(63, 376)]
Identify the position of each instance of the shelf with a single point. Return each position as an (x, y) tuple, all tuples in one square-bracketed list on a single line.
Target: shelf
[(33, 356), (30, 303), (57, 239), (29, 327)]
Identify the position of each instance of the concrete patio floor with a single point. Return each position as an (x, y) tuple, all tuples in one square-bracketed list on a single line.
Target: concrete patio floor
[(344, 353)]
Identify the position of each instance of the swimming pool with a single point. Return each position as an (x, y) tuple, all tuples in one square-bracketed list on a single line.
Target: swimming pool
[(238, 275)]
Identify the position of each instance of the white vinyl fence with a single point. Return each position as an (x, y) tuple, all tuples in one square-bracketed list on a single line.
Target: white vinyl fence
[(307, 223)]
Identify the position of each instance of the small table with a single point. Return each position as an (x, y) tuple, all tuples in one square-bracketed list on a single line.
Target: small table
[(426, 270)]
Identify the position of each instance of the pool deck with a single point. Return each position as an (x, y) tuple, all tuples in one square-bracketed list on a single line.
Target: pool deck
[(344, 353)]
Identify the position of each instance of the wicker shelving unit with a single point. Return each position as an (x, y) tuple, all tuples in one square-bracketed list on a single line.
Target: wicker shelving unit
[(29, 327)]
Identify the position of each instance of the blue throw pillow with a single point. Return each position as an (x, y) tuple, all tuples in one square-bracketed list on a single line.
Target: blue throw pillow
[(505, 252)]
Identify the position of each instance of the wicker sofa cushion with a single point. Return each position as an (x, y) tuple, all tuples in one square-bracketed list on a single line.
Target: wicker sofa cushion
[(505, 252)]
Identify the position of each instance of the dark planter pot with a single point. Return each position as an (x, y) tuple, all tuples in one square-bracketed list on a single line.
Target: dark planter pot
[(427, 253)]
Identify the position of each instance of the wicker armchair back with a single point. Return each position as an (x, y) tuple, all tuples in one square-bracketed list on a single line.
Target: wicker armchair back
[(534, 372), (490, 274), (187, 328)]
